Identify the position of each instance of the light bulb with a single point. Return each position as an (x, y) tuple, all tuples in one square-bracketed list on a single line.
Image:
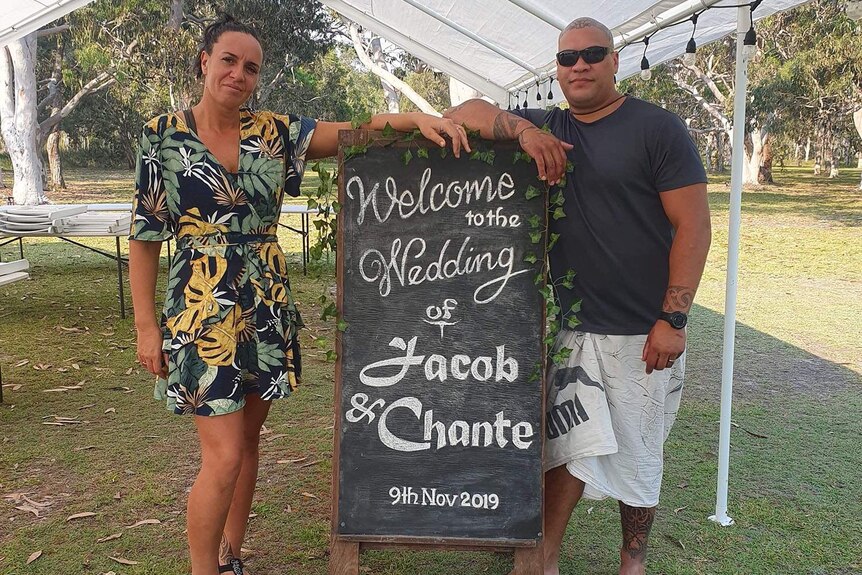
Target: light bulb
[(689, 57), (646, 74), (749, 50)]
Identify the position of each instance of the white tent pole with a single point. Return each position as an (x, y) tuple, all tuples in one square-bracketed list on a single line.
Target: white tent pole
[(743, 22), (541, 13)]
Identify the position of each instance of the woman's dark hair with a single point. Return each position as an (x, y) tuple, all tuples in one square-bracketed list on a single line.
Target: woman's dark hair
[(224, 23)]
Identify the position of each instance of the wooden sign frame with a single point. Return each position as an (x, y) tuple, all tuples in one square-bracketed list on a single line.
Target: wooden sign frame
[(345, 550)]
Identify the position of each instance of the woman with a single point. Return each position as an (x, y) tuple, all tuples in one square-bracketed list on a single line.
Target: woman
[(213, 177)]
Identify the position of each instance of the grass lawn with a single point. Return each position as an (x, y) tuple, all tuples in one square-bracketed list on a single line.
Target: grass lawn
[(117, 454)]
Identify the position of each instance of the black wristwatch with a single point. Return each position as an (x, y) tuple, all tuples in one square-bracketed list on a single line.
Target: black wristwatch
[(676, 319)]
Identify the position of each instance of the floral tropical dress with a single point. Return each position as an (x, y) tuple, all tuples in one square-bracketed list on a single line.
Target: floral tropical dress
[(229, 321)]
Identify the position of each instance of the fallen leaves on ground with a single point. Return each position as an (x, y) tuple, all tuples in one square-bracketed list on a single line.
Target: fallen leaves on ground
[(33, 556), (80, 515), (122, 561), (109, 538), (144, 522), (300, 460)]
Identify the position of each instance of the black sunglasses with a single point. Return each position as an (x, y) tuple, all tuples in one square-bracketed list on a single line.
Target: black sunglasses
[(591, 55)]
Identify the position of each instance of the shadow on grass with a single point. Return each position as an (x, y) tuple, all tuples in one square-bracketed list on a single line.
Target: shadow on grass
[(801, 194), (793, 478)]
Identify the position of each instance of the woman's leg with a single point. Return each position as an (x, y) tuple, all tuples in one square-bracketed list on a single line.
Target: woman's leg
[(254, 415), (221, 439)]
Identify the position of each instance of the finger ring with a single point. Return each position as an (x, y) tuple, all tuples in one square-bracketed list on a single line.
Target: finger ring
[(670, 362)]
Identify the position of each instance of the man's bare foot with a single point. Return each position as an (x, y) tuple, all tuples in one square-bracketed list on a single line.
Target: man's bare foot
[(555, 570), (633, 568)]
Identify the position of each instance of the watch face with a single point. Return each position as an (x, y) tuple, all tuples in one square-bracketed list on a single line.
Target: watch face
[(678, 320)]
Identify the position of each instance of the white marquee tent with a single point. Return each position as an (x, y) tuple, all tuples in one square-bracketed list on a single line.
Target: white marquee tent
[(505, 49)]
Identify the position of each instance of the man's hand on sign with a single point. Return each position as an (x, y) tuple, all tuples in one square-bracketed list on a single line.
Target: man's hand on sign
[(433, 129), (548, 151)]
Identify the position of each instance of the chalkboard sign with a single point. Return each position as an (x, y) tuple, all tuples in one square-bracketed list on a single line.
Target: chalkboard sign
[(439, 390)]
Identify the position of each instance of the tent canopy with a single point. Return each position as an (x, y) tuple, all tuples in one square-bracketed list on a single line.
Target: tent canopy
[(500, 47)]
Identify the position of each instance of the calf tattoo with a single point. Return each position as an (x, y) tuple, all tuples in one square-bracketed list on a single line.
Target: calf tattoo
[(636, 523)]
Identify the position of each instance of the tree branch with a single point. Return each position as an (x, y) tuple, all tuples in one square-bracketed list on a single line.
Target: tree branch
[(399, 85), (101, 81)]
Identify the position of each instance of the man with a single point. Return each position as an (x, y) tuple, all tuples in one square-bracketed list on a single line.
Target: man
[(636, 233)]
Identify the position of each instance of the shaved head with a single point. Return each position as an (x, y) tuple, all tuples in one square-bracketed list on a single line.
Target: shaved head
[(586, 22)]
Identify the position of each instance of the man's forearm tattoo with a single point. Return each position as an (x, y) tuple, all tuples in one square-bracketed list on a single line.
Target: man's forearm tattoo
[(504, 126), (678, 298), (636, 523)]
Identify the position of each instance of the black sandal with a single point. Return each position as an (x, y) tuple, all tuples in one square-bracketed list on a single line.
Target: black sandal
[(234, 567)]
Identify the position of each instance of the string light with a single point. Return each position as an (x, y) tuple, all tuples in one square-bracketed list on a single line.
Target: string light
[(690, 57), (853, 10), (749, 43), (646, 73)]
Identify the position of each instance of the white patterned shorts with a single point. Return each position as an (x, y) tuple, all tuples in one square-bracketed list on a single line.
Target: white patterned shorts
[(607, 420)]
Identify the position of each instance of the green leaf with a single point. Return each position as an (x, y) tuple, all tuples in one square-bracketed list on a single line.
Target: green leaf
[(408, 155), (546, 128), (558, 199), (522, 156), (422, 152), (357, 150), (444, 151), (552, 241), (570, 167), (331, 355), (472, 133), (535, 237), (559, 213), (532, 192), (576, 307), (342, 325), (534, 221), (388, 130), (531, 258), (360, 120), (573, 322)]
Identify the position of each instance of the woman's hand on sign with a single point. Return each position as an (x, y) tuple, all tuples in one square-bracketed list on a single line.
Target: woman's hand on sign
[(150, 354), (548, 151), (433, 129)]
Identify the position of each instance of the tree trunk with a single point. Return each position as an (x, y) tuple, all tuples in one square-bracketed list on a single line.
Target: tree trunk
[(720, 149), (176, 18), (752, 162), (808, 149), (390, 94), (55, 166), (857, 121), (764, 175), (18, 118)]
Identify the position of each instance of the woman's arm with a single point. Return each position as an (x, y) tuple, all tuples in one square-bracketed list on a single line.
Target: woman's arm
[(324, 141), (143, 272)]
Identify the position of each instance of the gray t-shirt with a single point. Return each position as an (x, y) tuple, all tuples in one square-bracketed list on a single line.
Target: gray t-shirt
[(615, 235)]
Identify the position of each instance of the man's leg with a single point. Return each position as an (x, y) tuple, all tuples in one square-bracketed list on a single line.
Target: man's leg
[(562, 493), (636, 523)]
